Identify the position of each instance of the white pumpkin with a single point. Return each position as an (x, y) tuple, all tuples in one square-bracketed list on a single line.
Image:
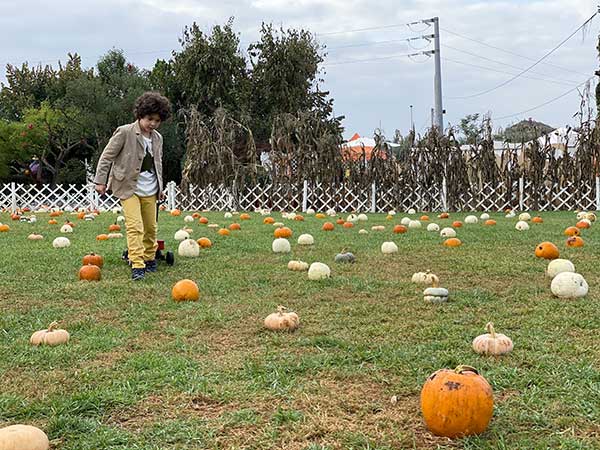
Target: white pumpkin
[(115, 235), (189, 248), (569, 285), (392, 212), (510, 215), (281, 245), (448, 232), (330, 212), (310, 212), (35, 237), (352, 218), (180, 235), (557, 266), (435, 294), (377, 228), (492, 343), (362, 217), (69, 209), (433, 227), (318, 271), (32, 219), (66, 228), (228, 215), (405, 221), (298, 266), (61, 242), (363, 231), (90, 217), (484, 216), (290, 216), (414, 224), (590, 216), (213, 225), (388, 248), (188, 219), (412, 211), (522, 225), (23, 437), (471, 220), (306, 239), (525, 217), (117, 210), (424, 278), (120, 219), (282, 320)]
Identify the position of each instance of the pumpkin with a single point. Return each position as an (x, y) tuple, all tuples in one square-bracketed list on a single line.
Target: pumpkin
[(392, 212), (414, 224), (120, 219), (525, 217), (15, 217), (572, 231), (327, 226), (378, 228), (425, 278), (23, 437), (363, 231), (389, 217), (388, 248), (457, 224), (244, 216), (282, 232), (522, 225), (412, 211), (318, 271), (212, 225), (471, 220), (320, 216), (281, 245), (297, 266), (424, 218), (81, 215), (185, 290), (51, 336), (52, 222), (510, 215), (352, 218), (175, 212), (484, 216), (188, 248), (268, 220), (278, 224), (575, 241), (433, 227), (583, 223), (306, 239), (115, 235), (457, 403), (114, 227), (204, 242), (537, 219), (180, 235), (4, 228), (452, 242), (89, 272), (490, 222), (235, 226), (66, 228), (188, 219), (581, 215), (362, 218), (547, 250), (203, 220), (345, 257), (590, 216), (224, 232), (310, 212), (35, 237), (569, 285), (92, 258), (227, 215), (55, 213), (195, 216), (444, 215), (90, 217), (102, 237), (299, 218), (61, 242), (405, 221), (492, 343), (340, 221), (398, 229), (435, 293), (282, 320), (557, 266), (348, 225)]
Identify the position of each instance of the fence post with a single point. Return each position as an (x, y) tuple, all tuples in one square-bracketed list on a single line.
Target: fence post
[(444, 194), (13, 197), (171, 195), (373, 198), (91, 196), (521, 188), (597, 193), (304, 196)]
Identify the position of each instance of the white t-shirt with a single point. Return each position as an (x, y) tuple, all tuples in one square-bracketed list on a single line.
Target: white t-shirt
[(147, 184)]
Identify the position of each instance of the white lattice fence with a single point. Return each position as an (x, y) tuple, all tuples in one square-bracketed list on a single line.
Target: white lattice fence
[(342, 198), (211, 197)]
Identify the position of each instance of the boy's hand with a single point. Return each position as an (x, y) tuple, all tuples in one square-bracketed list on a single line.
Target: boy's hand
[(101, 189), (162, 196)]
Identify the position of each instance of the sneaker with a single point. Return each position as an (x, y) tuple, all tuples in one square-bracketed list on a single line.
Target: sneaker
[(151, 266), (137, 274)]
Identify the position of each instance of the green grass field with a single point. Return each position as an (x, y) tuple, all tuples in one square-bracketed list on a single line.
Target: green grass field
[(143, 372)]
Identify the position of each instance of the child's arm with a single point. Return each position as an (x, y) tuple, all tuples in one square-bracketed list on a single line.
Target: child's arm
[(110, 152)]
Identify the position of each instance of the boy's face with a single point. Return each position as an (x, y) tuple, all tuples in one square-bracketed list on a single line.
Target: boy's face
[(150, 122)]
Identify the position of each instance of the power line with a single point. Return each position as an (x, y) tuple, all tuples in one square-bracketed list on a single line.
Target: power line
[(367, 44), (354, 61), (384, 27), (545, 103), (514, 77), (509, 51)]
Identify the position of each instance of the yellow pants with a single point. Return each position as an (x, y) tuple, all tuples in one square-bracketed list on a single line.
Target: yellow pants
[(140, 222)]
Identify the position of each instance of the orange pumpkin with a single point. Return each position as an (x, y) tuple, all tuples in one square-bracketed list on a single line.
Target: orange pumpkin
[(89, 272), (575, 241), (244, 216), (537, 219), (52, 222), (81, 215), (457, 403), (582, 224), (327, 226), (15, 216), (55, 213), (196, 215), (457, 224), (348, 225), (175, 212), (299, 218), (102, 237), (444, 215), (114, 228), (572, 231), (398, 229), (320, 216), (547, 250), (452, 242), (203, 220), (235, 226), (282, 232), (340, 221), (4, 228), (224, 232), (204, 242), (424, 218), (268, 220), (92, 258), (185, 290), (490, 222)]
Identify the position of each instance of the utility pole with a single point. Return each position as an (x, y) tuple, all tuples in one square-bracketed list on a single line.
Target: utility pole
[(432, 117), (437, 81), (412, 124)]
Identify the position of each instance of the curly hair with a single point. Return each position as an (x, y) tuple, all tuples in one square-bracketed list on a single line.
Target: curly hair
[(152, 103)]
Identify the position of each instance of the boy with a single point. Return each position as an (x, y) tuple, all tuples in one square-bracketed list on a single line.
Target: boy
[(133, 157)]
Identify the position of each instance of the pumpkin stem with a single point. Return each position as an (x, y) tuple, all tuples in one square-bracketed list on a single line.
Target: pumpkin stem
[(490, 329), (462, 368), (52, 326), (281, 309)]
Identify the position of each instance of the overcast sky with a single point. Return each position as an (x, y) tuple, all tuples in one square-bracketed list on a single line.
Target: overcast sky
[(368, 93)]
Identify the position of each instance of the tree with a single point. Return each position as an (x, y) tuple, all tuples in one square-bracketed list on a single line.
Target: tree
[(524, 131), (471, 129)]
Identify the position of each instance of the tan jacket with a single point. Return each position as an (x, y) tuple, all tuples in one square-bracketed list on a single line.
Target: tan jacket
[(121, 160)]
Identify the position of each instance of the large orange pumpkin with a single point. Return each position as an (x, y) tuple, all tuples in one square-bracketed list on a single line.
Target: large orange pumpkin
[(572, 231), (235, 226), (457, 403), (268, 220), (575, 241), (547, 250), (204, 242), (282, 232), (185, 290), (582, 224), (327, 226), (224, 232), (92, 258), (398, 229), (452, 242), (4, 228), (89, 272)]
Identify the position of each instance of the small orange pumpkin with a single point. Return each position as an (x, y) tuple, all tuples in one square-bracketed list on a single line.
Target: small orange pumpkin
[(196, 215), (299, 218), (185, 290), (15, 217), (547, 250), (114, 228), (327, 226), (348, 225), (282, 232), (89, 272), (52, 222), (81, 215), (444, 215), (4, 228), (320, 216), (244, 216), (102, 237), (176, 212), (572, 231), (398, 229), (424, 218), (92, 258), (457, 224), (582, 224), (204, 242), (203, 220), (224, 232), (235, 226), (268, 221), (55, 213), (537, 219), (340, 221), (575, 241), (452, 242), (490, 222), (457, 403)]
